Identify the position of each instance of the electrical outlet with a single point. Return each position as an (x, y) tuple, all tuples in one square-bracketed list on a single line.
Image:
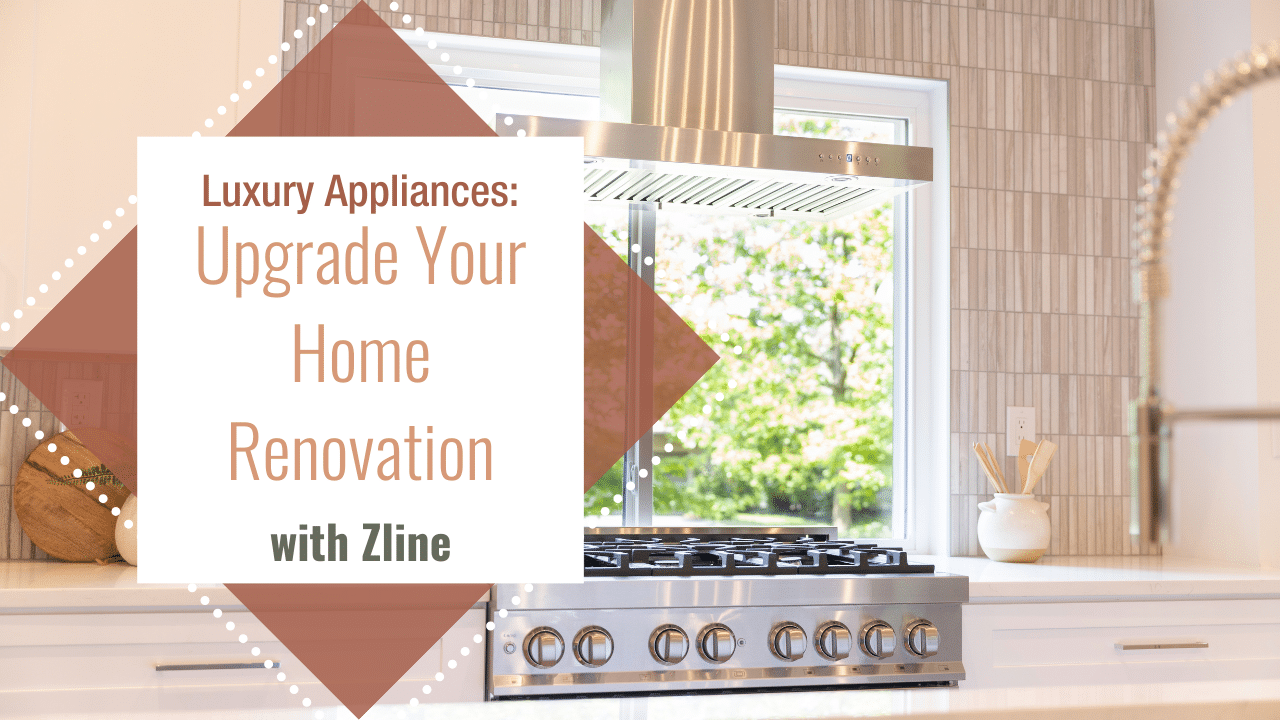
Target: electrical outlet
[(1020, 424), (81, 403)]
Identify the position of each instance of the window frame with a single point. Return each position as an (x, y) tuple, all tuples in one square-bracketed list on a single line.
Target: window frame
[(922, 327)]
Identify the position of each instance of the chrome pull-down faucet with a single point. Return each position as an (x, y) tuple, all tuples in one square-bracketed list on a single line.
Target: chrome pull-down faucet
[(1150, 417)]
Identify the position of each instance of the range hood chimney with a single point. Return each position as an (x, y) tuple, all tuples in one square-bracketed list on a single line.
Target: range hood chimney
[(687, 114), (706, 65)]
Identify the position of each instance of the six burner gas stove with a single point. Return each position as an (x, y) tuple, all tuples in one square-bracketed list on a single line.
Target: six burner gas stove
[(715, 609)]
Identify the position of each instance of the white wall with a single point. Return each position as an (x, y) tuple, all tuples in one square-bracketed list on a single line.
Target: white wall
[(1214, 350), (1265, 16), (79, 82)]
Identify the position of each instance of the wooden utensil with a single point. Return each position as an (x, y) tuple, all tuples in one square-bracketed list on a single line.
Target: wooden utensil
[(1039, 463), (991, 475), (995, 465), (1026, 449)]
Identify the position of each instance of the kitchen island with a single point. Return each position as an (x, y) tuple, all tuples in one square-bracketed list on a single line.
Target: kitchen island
[(1017, 613)]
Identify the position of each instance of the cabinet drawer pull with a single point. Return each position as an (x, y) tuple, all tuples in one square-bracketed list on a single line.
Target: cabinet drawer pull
[(218, 666), (1161, 646)]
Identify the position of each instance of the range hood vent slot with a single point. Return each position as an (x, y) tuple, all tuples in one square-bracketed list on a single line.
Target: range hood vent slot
[(729, 195), (686, 90)]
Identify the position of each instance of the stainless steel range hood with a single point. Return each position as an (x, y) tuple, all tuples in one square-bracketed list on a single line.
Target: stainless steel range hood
[(686, 91)]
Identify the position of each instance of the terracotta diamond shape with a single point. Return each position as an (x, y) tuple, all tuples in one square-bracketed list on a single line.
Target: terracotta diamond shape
[(363, 80)]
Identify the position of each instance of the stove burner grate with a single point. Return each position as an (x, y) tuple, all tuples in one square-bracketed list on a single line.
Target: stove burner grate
[(743, 557)]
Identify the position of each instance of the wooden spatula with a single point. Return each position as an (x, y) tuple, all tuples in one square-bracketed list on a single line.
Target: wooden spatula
[(1039, 463), (1026, 449)]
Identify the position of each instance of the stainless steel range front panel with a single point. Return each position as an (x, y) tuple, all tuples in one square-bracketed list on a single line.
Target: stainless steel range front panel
[(680, 591), (754, 663)]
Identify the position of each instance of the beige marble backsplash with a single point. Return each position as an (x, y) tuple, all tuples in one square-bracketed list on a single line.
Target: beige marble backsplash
[(1051, 106), (16, 442), (1052, 114)]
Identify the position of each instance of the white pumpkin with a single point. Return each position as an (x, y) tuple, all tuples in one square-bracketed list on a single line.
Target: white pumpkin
[(127, 531)]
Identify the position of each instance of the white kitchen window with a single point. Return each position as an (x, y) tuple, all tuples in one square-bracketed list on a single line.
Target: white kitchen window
[(831, 403)]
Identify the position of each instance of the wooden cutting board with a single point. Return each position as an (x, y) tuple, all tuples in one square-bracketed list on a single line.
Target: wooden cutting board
[(57, 510)]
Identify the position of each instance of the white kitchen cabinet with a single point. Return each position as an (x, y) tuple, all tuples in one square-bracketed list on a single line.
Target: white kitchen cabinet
[(67, 662), (1076, 643)]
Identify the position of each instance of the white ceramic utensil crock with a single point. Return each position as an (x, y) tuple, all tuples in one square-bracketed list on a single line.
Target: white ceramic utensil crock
[(1013, 527), (127, 531)]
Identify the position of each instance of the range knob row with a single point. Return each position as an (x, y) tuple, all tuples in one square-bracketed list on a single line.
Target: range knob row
[(669, 644), (715, 643), (544, 647), (834, 641), (878, 639)]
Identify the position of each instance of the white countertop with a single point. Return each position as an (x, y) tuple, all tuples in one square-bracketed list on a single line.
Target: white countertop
[(1237, 700), (32, 585), (27, 586), (35, 584), (1107, 578)]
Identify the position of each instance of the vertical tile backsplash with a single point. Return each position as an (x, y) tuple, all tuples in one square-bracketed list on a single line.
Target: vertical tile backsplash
[(1051, 107), (574, 22), (16, 442)]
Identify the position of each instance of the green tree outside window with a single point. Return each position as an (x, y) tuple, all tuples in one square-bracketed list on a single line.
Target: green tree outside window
[(795, 424)]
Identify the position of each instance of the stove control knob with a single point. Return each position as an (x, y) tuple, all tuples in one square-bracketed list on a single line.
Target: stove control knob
[(544, 647), (716, 643), (593, 647), (669, 644), (878, 640), (922, 639), (788, 641), (835, 642)]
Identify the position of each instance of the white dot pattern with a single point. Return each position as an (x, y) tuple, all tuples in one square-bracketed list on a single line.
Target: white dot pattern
[(221, 110), (208, 123)]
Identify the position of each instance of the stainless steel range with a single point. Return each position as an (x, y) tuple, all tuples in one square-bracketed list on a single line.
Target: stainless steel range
[(692, 609)]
